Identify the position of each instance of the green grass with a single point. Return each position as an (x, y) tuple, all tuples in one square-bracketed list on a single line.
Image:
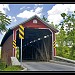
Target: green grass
[(9, 68), (2, 65), (13, 68)]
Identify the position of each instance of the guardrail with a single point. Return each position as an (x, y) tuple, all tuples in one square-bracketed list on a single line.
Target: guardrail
[(58, 58)]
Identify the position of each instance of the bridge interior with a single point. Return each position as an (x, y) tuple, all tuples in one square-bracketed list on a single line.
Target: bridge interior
[(36, 45)]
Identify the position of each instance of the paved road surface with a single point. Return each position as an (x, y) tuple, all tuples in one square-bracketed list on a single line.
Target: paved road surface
[(47, 66)]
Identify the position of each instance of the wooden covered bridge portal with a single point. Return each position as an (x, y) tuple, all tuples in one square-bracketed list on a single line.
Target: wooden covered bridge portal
[(37, 43)]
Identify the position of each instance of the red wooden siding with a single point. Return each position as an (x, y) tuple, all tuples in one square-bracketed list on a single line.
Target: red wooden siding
[(30, 24)]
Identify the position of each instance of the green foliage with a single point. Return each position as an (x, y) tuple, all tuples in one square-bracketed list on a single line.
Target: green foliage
[(2, 65), (65, 39), (63, 15), (58, 51), (45, 19), (60, 39), (17, 52), (66, 51), (72, 52), (4, 21), (13, 68)]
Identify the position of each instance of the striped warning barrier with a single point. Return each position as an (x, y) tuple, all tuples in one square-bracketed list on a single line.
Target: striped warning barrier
[(54, 44), (14, 43), (21, 32)]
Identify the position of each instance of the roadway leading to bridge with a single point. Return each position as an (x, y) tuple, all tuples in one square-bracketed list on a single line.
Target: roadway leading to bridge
[(47, 66)]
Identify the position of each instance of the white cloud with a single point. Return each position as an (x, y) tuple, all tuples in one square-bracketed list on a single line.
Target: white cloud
[(7, 7), (38, 9), (55, 18), (22, 7), (38, 4), (3, 33), (28, 14), (54, 13), (13, 19), (28, 7), (1, 36), (4, 7)]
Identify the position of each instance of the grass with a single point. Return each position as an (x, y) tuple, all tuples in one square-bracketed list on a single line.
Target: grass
[(13, 68), (2, 65), (9, 68)]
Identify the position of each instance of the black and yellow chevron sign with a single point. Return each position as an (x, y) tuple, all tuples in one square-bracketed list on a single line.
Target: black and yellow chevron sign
[(54, 44), (21, 32), (14, 43)]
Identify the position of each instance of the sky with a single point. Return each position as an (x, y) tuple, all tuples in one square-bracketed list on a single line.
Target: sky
[(19, 13)]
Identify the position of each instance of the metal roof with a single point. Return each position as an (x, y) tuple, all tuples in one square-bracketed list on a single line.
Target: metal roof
[(35, 16), (6, 36)]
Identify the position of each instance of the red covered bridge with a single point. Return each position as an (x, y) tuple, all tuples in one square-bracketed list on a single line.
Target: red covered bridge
[(37, 44)]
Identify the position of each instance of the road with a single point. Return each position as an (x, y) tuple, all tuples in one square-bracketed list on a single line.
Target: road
[(47, 66)]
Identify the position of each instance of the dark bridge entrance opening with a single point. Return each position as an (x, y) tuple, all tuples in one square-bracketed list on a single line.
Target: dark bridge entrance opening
[(37, 44)]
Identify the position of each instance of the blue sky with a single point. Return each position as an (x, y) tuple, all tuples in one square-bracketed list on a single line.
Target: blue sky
[(18, 13)]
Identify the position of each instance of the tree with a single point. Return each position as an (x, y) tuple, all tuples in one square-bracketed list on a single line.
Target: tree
[(60, 40), (45, 19), (68, 26), (4, 21)]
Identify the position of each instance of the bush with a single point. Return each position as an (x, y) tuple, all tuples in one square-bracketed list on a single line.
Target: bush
[(63, 52), (66, 52)]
